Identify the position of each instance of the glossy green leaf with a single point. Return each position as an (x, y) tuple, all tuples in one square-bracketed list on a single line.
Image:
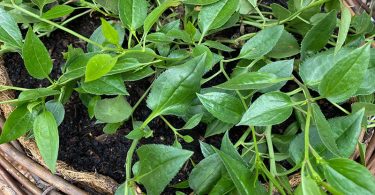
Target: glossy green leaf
[(47, 138), (240, 175), (9, 31), (349, 177), (225, 107), (344, 79), (262, 43), (36, 57), (286, 46), (206, 149), (108, 85), (282, 69), (344, 28), (133, 13), (176, 87), (57, 109), (217, 127), (156, 13), (269, 109), (98, 66), (193, 121), (309, 186), (17, 124), (109, 32), (323, 29), (251, 80), (57, 11), (205, 174), (228, 148), (324, 130), (97, 36), (112, 110), (215, 15), (158, 165), (34, 94)]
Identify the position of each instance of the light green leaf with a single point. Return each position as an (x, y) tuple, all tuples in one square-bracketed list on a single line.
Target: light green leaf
[(34, 94), (109, 32), (251, 80), (215, 15), (287, 46), (323, 29), (132, 13), (112, 110), (206, 174), (349, 177), (269, 109), (262, 43), (108, 85), (36, 57), (18, 123), (9, 31), (176, 87), (193, 121), (98, 66), (225, 107), (344, 79), (309, 186), (344, 28), (47, 138), (57, 109), (97, 36), (57, 11), (158, 165), (324, 130)]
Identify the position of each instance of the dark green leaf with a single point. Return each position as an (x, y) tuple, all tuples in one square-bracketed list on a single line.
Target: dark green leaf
[(42, 3), (217, 45), (108, 85), (34, 94), (262, 43), (269, 109), (112, 110), (344, 79), (57, 109), (57, 12), (18, 123), (9, 31), (158, 165), (287, 46), (225, 107), (344, 27), (193, 121), (217, 127), (309, 186), (282, 69), (110, 5), (206, 149), (47, 138), (251, 80), (133, 13), (36, 57)]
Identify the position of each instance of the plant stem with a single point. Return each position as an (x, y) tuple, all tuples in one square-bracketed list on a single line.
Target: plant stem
[(340, 108), (307, 132), (271, 153), (58, 26), (128, 164)]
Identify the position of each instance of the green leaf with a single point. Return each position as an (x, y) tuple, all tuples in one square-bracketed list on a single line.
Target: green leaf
[(108, 85), (349, 177), (34, 94), (225, 107), (176, 87), (362, 23), (251, 80), (199, 2), (111, 128), (110, 32), (193, 121), (344, 79), (156, 13), (98, 66), (262, 43), (57, 109), (309, 186), (217, 45), (368, 84), (223, 186), (369, 108), (36, 57), (9, 31), (206, 174), (97, 36), (269, 109), (112, 110), (280, 12), (215, 15), (42, 3), (47, 138), (57, 11), (110, 5), (287, 46), (323, 29), (228, 148), (206, 149), (158, 165), (324, 129), (18, 123), (240, 175), (133, 13), (344, 28), (217, 127), (282, 69)]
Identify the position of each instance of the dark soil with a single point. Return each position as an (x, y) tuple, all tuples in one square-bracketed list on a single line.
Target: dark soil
[(83, 145)]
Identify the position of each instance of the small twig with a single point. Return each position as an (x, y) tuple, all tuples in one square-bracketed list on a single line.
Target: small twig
[(11, 182), (40, 171), (370, 149), (19, 177), (49, 189)]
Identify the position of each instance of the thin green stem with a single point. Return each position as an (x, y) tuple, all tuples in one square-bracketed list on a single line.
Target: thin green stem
[(243, 138), (340, 108), (271, 154), (307, 131), (128, 164)]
